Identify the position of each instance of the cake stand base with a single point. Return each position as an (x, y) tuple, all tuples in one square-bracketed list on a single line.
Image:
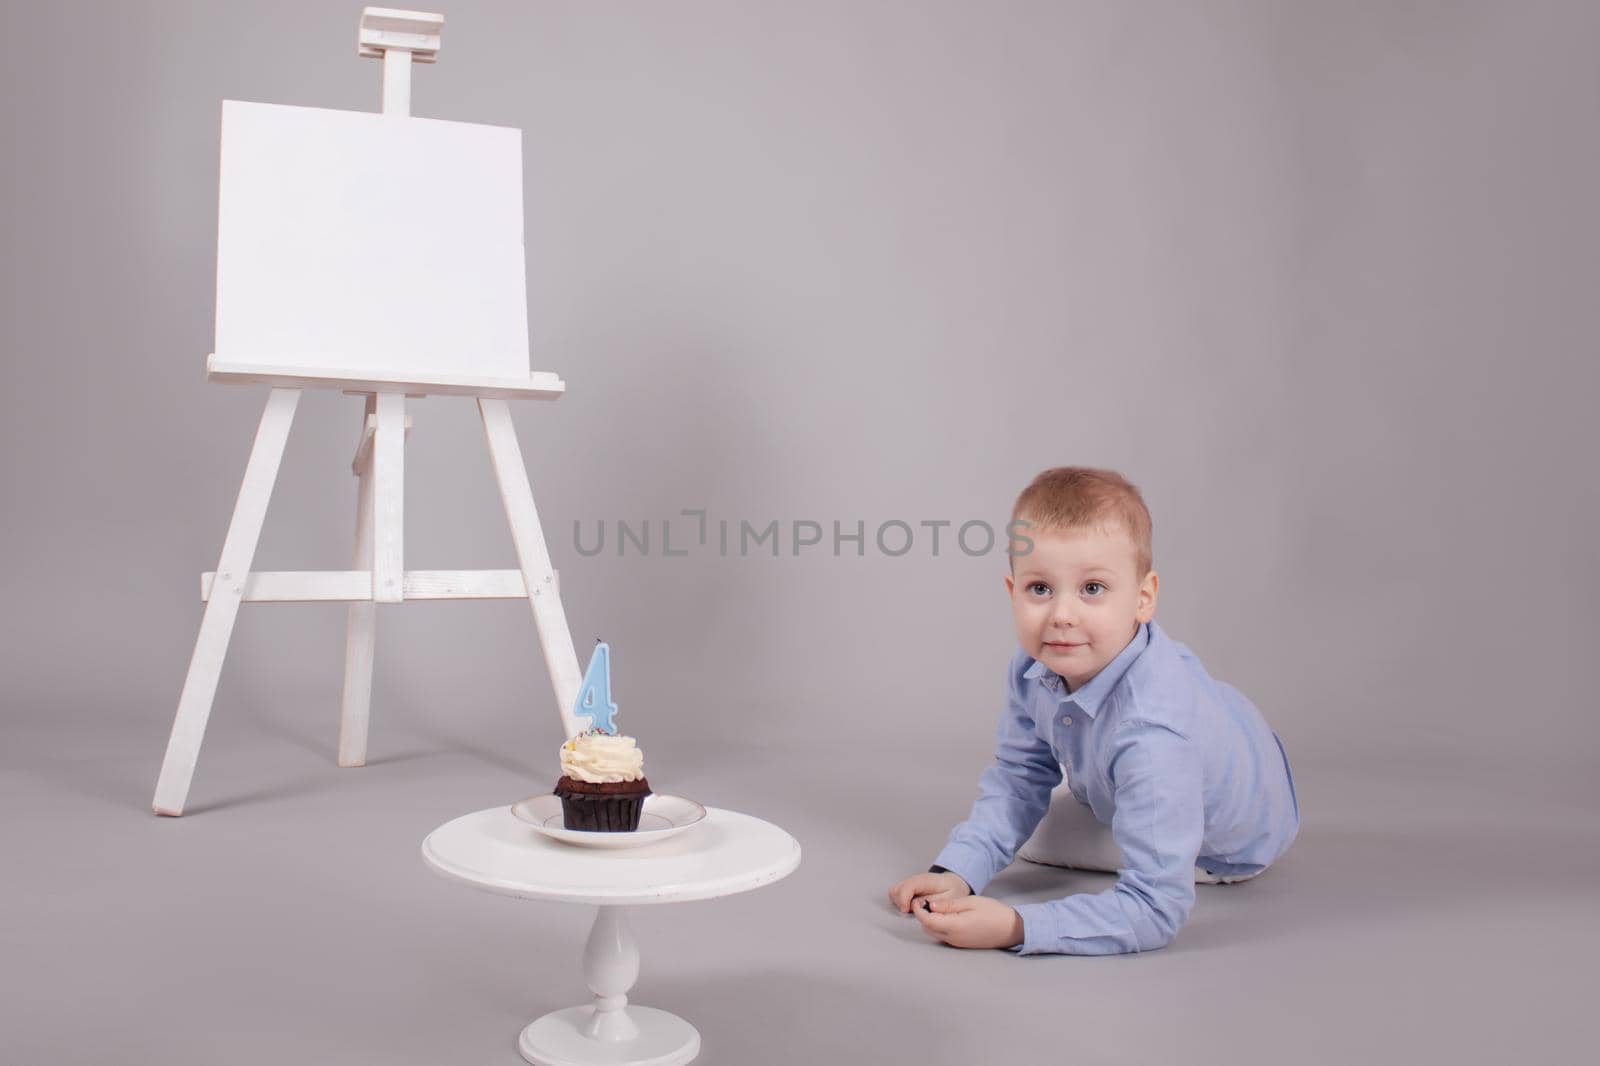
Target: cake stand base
[(558, 1039)]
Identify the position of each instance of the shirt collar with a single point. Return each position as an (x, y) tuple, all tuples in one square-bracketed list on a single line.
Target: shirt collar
[(1091, 696)]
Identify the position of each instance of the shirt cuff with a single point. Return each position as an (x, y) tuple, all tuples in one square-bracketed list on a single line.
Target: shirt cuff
[(1038, 929), (969, 867)]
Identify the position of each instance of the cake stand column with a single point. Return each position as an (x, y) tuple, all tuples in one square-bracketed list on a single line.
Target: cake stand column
[(610, 1031)]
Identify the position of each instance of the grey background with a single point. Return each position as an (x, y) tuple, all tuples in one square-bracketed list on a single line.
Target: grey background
[(1320, 278)]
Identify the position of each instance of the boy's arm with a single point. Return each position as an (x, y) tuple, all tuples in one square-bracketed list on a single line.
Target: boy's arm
[(1159, 822), (1013, 794)]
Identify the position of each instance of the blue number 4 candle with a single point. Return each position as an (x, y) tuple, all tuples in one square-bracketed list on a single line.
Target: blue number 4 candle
[(594, 698)]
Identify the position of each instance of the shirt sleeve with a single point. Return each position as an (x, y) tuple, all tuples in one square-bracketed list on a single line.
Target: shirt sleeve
[(1158, 823), (1013, 794)]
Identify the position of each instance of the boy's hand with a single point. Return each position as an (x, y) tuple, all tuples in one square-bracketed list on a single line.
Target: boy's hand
[(971, 922), (926, 886)]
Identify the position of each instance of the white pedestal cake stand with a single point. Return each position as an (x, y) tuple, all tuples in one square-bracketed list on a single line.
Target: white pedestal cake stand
[(726, 853)]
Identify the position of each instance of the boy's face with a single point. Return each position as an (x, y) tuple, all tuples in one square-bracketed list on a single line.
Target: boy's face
[(1077, 599)]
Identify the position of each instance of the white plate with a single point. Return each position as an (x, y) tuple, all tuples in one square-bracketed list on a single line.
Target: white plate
[(662, 817)]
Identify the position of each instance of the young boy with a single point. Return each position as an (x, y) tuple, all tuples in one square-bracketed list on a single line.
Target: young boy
[(1183, 768)]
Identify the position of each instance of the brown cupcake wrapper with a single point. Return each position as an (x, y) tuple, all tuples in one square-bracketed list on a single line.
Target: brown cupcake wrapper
[(601, 813)]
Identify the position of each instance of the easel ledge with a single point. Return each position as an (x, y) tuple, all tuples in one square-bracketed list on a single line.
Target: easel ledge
[(539, 385)]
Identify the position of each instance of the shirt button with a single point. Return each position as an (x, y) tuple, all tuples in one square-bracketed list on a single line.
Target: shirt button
[(1066, 719)]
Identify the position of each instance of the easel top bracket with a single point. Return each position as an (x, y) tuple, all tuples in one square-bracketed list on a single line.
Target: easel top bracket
[(385, 28)]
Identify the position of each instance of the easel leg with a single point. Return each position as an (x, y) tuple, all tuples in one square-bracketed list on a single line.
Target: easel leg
[(361, 630), (388, 507), (216, 626), (549, 618)]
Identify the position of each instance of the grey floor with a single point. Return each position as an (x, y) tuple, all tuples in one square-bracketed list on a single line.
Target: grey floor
[(288, 918)]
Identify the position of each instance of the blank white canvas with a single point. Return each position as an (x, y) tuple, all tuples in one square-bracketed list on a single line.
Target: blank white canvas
[(361, 241)]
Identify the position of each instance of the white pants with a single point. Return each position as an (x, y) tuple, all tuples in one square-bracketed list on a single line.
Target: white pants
[(1070, 835)]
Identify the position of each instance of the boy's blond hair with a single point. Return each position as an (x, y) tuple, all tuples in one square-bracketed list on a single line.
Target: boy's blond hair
[(1079, 497)]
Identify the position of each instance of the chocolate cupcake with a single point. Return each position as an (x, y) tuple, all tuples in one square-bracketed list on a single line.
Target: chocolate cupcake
[(602, 786), (604, 807)]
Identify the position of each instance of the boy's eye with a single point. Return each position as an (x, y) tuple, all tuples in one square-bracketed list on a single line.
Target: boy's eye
[(1092, 586), (1039, 588)]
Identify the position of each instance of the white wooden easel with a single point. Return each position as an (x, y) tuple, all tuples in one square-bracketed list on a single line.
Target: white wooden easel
[(378, 573)]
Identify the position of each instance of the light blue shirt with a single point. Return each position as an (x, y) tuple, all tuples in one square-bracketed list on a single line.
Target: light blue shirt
[(1182, 767)]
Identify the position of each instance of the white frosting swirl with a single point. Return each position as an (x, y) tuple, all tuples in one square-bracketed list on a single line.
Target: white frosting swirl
[(600, 758)]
